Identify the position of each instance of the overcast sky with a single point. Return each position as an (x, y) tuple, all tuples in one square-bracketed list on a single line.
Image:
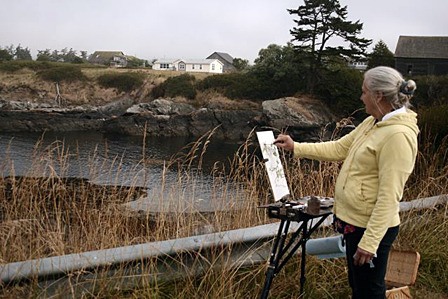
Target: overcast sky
[(195, 29)]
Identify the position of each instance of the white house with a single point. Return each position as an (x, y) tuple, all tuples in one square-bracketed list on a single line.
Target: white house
[(357, 65), (189, 65)]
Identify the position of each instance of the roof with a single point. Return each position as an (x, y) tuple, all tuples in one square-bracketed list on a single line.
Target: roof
[(103, 56), (224, 56), (187, 61), (422, 47), (166, 60), (200, 61)]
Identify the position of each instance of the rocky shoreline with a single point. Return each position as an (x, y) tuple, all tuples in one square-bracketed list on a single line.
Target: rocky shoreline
[(166, 117)]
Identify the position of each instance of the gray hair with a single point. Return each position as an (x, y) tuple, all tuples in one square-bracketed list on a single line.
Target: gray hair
[(397, 91)]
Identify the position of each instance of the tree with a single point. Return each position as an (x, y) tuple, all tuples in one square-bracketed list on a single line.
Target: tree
[(4, 55), (241, 64), (320, 22), (84, 55), (43, 55), (55, 56), (280, 70), (381, 55), (22, 53), (18, 53), (69, 55)]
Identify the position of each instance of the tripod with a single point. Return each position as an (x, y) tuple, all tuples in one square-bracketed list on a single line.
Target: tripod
[(284, 249)]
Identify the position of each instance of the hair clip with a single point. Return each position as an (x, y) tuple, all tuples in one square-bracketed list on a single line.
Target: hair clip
[(404, 89)]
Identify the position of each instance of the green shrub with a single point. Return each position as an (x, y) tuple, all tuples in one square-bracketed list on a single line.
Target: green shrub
[(251, 85), (431, 90), (433, 121), (182, 85), (8, 67), (431, 103), (16, 65), (218, 82), (63, 73), (340, 89), (123, 82)]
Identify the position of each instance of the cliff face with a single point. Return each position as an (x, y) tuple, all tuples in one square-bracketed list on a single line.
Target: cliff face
[(28, 103), (166, 117)]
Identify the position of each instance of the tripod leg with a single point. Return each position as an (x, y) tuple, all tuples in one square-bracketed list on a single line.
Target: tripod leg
[(267, 284), (275, 256), (303, 258)]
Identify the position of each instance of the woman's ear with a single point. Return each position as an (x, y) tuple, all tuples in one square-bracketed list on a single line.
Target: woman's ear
[(378, 96)]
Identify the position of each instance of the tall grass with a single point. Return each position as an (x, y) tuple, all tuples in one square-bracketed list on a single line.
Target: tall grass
[(47, 214)]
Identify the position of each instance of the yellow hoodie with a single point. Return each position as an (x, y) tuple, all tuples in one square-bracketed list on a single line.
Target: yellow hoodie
[(378, 159)]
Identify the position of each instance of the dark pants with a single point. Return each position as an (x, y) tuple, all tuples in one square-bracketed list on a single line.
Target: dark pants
[(367, 282)]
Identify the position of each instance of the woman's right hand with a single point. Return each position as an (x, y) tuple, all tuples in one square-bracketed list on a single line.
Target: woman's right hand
[(285, 142)]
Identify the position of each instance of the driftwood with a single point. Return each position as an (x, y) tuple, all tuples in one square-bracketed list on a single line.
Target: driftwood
[(60, 101)]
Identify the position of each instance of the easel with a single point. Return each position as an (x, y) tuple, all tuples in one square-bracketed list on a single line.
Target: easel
[(282, 249)]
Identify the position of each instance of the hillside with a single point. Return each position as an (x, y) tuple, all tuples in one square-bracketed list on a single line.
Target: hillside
[(25, 86)]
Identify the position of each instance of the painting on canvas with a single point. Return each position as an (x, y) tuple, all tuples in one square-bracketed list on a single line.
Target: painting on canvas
[(273, 164)]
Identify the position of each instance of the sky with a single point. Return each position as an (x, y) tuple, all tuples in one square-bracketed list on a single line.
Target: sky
[(152, 29)]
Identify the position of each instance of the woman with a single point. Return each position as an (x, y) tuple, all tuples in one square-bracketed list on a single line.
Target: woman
[(379, 156)]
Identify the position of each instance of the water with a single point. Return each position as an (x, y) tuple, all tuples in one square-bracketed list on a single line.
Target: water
[(121, 160)]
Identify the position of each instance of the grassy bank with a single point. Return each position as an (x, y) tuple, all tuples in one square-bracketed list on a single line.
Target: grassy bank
[(50, 215)]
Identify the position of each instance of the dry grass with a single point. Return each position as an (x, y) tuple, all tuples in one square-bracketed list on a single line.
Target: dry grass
[(215, 100), (51, 215), (24, 85)]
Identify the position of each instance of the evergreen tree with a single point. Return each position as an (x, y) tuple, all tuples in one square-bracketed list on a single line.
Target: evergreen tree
[(381, 55), (4, 55), (84, 55), (241, 64), (279, 67), (22, 53), (43, 55), (320, 22)]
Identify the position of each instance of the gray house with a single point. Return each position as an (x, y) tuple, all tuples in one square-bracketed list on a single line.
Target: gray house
[(226, 60), (109, 58), (422, 55)]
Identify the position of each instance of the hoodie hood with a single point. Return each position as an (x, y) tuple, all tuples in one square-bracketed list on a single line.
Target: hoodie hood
[(408, 119)]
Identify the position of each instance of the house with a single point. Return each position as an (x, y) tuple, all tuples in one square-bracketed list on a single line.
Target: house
[(109, 58), (225, 58), (357, 65), (165, 64), (189, 65), (422, 55)]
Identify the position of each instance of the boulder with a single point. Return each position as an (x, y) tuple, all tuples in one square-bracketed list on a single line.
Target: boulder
[(161, 107), (164, 117), (302, 112)]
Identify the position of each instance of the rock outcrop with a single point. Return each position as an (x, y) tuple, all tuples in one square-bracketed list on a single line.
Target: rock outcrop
[(165, 117)]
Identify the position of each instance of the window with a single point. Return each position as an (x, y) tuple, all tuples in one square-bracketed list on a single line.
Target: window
[(213, 67), (409, 69), (192, 67)]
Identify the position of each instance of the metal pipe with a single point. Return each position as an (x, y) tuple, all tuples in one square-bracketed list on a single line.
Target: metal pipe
[(253, 238)]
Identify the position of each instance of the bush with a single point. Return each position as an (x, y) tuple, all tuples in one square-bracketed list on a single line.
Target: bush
[(182, 85), (218, 82), (123, 82), (433, 121), (431, 90), (64, 73), (16, 65), (431, 103), (340, 89), (251, 85)]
